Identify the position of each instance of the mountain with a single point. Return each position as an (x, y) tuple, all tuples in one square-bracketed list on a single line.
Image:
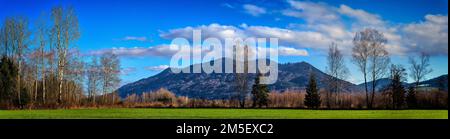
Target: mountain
[(438, 82), (381, 84), (220, 85)]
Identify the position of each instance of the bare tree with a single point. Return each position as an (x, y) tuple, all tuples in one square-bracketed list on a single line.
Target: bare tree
[(379, 63), (242, 79), (32, 68), (360, 54), (337, 70), (33, 71), (110, 73), (372, 59), (64, 32), (3, 38), (21, 41), (7, 36), (75, 74), (14, 38), (419, 68), (94, 78), (41, 39)]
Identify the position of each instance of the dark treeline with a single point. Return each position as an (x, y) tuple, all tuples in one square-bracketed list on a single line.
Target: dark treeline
[(41, 67), (295, 99)]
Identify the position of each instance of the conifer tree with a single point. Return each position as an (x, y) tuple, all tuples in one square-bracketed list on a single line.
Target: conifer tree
[(260, 93), (397, 89), (312, 97), (411, 99)]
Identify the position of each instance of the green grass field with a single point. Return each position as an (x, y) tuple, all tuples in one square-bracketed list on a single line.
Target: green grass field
[(172, 113)]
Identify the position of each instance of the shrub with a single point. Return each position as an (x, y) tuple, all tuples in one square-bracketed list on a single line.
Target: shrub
[(287, 99)]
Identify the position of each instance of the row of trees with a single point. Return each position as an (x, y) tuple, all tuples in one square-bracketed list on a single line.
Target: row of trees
[(286, 99), (102, 77), (42, 67), (369, 54), (372, 59), (397, 95)]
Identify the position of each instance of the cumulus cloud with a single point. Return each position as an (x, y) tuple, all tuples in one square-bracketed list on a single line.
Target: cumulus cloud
[(311, 12), (429, 36), (287, 37), (299, 39), (287, 51), (326, 23), (361, 16), (160, 51), (168, 51), (254, 10), (213, 30), (157, 68), (312, 36), (319, 12)]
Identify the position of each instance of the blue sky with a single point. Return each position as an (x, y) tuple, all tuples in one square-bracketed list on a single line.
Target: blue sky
[(139, 27)]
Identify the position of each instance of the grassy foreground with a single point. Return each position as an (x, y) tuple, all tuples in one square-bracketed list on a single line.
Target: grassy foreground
[(172, 113)]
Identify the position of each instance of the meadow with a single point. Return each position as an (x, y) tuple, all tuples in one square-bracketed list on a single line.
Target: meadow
[(208, 113)]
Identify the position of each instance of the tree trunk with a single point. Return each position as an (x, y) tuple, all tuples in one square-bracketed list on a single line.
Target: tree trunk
[(19, 78), (367, 91)]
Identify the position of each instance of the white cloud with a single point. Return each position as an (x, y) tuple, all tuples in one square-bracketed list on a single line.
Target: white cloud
[(228, 5), (254, 10), (134, 38), (213, 30), (319, 12), (326, 23), (313, 36), (243, 25), (157, 68), (437, 19), (311, 12), (361, 16), (286, 37), (287, 51), (161, 51), (299, 39), (333, 31), (430, 36)]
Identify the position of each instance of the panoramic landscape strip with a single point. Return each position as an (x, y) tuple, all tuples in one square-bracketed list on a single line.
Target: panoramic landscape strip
[(286, 59)]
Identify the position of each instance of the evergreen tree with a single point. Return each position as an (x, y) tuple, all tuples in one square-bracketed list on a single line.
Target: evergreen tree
[(411, 99), (260, 93), (312, 97), (8, 75), (397, 89)]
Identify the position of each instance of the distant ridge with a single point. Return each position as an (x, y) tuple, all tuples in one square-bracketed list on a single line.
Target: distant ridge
[(221, 85), (438, 82)]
